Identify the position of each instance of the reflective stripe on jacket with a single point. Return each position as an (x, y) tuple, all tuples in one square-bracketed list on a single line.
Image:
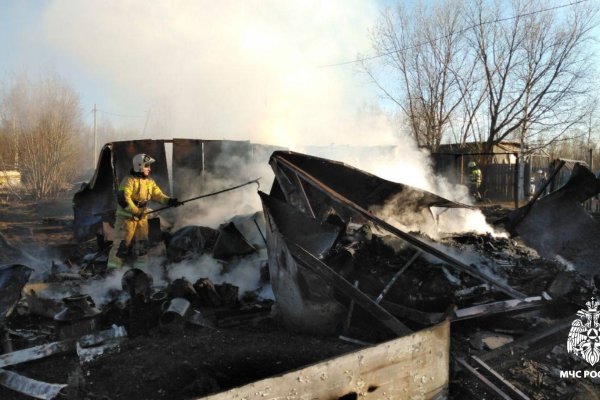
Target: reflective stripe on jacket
[(475, 176)]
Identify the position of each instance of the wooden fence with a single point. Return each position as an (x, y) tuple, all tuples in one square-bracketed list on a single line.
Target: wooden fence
[(502, 182)]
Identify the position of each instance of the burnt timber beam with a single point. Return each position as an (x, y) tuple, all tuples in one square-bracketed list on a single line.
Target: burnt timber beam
[(322, 269)]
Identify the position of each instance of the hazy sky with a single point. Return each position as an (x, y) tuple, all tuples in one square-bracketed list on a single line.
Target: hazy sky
[(243, 69)]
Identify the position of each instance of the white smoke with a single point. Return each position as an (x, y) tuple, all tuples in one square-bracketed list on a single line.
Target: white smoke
[(243, 272), (252, 70), (407, 164), (102, 289), (214, 210), (228, 69), (249, 70)]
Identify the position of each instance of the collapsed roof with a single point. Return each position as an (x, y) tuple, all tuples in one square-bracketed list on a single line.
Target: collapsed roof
[(317, 186)]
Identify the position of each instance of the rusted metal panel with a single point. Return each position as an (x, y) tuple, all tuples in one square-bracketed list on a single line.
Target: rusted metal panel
[(557, 226), (187, 164), (415, 366)]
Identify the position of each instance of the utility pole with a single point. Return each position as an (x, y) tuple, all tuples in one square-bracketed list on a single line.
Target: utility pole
[(95, 149), (16, 144)]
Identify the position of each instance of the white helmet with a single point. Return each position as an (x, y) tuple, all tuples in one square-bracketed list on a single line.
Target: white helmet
[(471, 164), (140, 160)]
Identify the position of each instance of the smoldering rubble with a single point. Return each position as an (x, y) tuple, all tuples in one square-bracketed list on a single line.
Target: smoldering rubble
[(336, 263)]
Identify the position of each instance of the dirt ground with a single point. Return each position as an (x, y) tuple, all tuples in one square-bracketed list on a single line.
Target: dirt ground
[(182, 365), (162, 363)]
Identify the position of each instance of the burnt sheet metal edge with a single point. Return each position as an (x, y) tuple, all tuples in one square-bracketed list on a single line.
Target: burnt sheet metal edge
[(305, 301), (37, 352), (92, 200), (13, 278), (28, 386), (317, 237), (469, 269), (530, 303), (63, 346), (322, 269), (314, 235), (364, 188), (558, 226)]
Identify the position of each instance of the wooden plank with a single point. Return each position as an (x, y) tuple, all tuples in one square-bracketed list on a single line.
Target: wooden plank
[(411, 367)]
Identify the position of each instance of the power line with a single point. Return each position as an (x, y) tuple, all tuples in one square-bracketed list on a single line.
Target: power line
[(458, 32)]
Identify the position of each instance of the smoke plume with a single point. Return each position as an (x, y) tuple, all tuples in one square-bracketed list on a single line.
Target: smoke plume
[(228, 69)]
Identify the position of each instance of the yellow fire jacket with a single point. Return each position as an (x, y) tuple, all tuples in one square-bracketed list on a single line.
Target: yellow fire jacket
[(135, 192), (475, 176)]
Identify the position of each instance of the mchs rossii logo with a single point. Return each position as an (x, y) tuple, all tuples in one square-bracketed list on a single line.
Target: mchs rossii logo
[(584, 337)]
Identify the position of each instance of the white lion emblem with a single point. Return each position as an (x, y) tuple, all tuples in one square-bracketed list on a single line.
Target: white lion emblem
[(584, 336)]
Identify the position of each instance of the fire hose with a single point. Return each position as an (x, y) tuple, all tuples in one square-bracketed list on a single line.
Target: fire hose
[(207, 195), (193, 198)]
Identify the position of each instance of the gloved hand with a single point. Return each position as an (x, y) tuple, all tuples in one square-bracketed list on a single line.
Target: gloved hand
[(173, 202), (139, 214)]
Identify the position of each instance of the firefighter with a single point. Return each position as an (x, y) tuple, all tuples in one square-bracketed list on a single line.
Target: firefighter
[(475, 179), (540, 180), (131, 225)]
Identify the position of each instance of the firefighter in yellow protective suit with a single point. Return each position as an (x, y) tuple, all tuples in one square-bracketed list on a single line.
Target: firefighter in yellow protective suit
[(131, 225), (475, 179)]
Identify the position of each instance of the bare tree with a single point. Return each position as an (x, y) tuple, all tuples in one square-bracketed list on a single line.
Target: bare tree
[(43, 119), (425, 70), (487, 70), (536, 64)]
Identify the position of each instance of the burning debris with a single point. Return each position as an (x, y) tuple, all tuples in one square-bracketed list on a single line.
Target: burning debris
[(353, 261), (431, 281)]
